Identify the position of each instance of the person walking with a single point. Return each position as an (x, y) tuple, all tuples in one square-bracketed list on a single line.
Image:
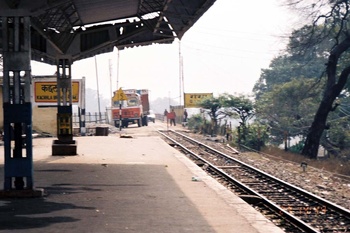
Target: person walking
[(165, 114), (172, 116), (185, 116)]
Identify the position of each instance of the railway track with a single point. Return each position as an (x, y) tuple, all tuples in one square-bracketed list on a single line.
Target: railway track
[(289, 207)]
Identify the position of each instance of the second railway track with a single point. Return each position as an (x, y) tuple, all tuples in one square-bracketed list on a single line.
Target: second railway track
[(288, 206)]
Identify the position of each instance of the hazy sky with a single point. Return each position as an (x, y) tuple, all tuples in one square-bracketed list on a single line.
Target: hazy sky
[(223, 52)]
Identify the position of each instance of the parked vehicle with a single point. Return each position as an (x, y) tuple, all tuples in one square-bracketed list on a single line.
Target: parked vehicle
[(151, 116), (133, 110)]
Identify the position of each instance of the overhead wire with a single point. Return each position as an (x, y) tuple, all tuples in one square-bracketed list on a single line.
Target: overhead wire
[(230, 52), (233, 34), (228, 48), (224, 51)]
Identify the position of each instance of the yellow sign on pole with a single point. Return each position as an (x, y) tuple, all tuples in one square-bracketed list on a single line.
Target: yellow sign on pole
[(192, 99), (119, 95)]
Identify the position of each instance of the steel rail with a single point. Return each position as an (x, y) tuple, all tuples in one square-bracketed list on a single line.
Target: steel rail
[(286, 215), (309, 202), (321, 200)]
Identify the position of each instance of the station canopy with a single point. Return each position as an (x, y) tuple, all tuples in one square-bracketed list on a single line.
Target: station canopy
[(84, 28)]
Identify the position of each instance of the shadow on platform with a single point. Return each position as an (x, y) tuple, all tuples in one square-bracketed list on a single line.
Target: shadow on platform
[(102, 198)]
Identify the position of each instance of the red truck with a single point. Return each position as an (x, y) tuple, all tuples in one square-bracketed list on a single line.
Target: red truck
[(133, 110)]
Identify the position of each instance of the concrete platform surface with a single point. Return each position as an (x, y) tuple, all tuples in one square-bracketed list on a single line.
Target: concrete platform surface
[(138, 184)]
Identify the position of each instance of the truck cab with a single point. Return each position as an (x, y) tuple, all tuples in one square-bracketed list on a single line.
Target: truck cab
[(129, 111)]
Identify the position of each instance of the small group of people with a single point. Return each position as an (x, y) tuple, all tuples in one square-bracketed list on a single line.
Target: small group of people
[(172, 116)]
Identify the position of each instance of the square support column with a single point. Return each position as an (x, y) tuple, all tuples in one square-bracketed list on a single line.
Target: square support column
[(65, 145), (17, 108)]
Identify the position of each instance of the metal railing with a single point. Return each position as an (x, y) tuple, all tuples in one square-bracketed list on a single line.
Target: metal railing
[(95, 117)]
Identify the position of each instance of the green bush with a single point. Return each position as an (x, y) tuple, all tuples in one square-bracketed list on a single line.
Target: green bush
[(297, 148), (253, 136), (195, 122)]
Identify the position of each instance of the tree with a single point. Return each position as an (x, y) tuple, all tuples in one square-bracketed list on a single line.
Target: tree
[(227, 105), (213, 107), (329, 25), (287, 100), (238, 106), (288, 109), (325, 40), (336, 138), (287, 92), (294, 63)]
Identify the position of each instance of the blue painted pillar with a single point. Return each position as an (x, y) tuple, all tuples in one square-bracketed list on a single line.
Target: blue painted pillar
[(17, 103)]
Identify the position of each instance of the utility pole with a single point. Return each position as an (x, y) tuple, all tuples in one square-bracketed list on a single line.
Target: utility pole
[(181, 81), (110, 76), (98, 91), (118, 71)]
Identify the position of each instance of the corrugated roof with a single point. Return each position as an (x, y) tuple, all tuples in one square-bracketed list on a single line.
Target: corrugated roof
[(69, 27)]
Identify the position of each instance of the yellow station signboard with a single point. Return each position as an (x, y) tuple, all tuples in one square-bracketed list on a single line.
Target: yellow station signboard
[(192, 99), (46, 92)]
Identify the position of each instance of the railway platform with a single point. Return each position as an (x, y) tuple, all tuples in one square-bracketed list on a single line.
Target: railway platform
[(118, 184)]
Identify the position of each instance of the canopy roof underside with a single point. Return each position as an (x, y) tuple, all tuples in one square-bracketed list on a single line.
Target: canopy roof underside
[(84, 28)]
